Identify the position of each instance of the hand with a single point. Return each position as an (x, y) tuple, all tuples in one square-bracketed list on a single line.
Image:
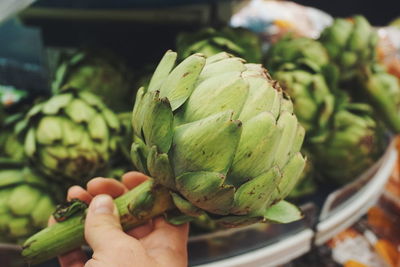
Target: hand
[(155, 244)]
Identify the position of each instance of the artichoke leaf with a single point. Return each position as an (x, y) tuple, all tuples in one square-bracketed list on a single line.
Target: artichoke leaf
[(206, 145), (54, 104), (179, 84), (185, 206), (137, 113), (162, 71), (288, 122), (291, 174), (207, 191), (283, 212), (158, 123), (138, 152), (220, 93), (252, 197), (159, 167), (233, 64), (30, 142), (261, 97), (257, 146), (218, 57), (79, 111)]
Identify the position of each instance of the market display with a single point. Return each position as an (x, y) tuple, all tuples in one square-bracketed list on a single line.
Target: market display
[(227, 128)]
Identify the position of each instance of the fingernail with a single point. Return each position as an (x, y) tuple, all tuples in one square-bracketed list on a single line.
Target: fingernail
[(102, 204)]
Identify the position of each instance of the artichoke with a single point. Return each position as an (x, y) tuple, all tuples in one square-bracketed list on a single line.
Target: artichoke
[(71, 136), (300, 66), (353, 142), (209, 41), (26, 203), (301, 52), (382, 90), (219, 139), (220, 128), (351, 43), (11, 148), (100, 72)]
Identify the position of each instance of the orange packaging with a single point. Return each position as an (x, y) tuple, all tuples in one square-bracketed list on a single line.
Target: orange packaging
[(387, 251), (352, 263)]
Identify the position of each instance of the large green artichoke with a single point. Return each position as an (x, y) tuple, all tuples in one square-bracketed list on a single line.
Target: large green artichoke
[(209, 41), (349, 146), (299, 64), (11, 147), (220, 140), (218, 128), (71, 136), (99, 72), (26, 202), (350, 43)]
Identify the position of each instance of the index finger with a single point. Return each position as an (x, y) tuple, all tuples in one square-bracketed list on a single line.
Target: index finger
[(133, 179)]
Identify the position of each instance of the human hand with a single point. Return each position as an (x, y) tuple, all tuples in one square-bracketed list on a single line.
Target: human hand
[(155, 244)]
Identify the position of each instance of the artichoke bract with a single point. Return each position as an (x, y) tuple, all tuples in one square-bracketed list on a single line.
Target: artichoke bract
[(71, 136), (219, 139), (99, 72), (25, 203), (11, 147), (350, 43), (209, 41), (307, 184)]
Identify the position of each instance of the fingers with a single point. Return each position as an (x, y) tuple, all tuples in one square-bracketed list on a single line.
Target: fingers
[(133, 179), (103, 231), (111, 187), (79, 193), (75, 258)]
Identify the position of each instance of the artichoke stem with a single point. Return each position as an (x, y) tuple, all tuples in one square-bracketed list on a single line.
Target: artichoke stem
[(68, 235)]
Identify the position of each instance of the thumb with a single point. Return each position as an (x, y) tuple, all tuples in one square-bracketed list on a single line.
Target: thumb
[(102, 224)]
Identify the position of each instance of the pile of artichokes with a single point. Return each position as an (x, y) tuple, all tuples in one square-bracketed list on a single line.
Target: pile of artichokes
[(341, 95)]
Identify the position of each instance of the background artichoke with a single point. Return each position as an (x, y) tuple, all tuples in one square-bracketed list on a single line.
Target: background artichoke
[(71, 136), (338, 132), (209, 41), (26, 202), (100, 72), (376, 86), (220, 140), (299, 64), (301, 52), (353, 142), (351, 43)]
